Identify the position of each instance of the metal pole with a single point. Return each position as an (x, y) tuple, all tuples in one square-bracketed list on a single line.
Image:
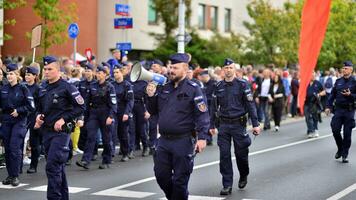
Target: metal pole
[(34, 55), (181, 22), (75, 52)]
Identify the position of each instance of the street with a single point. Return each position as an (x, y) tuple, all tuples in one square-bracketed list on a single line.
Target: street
[(283, 165)]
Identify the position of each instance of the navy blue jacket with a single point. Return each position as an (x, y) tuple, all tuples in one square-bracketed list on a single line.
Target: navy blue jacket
[(233, 100), (180, 110), (124, 96), (103, 96), (336, 96), (59, 100)]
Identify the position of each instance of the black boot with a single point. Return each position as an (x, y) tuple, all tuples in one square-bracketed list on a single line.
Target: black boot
[(242, 182), (83, 164), (226, 191), (15, 181), (32, 170), (7, 181), (104, 166)]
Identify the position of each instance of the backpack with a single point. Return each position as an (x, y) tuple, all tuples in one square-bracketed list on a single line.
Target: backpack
[(328, 83)]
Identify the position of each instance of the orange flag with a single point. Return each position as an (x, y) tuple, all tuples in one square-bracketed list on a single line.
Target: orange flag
[(315, 19)]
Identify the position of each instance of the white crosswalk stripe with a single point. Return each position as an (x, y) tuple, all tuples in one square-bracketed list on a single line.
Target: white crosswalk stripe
[(113, 192), (72, 190)]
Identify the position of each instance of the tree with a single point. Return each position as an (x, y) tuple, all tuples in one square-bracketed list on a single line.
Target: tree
[(10, 5), (55, 21), (167, 11)]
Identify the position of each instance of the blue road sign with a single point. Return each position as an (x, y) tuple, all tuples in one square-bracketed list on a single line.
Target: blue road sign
[(123, 23), (124, 46), (73, 30), (122, 9)]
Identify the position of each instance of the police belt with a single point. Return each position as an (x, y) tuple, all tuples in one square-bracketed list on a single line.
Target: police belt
[(175, 136), (138, 101), (235, 120), (344, 106)]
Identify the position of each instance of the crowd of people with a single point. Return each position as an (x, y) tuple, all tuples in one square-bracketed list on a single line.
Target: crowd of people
[(117, 115)]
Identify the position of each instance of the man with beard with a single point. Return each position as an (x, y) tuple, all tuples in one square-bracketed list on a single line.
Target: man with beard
[(183, 122)]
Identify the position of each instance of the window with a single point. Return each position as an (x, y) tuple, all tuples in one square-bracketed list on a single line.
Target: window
[(201, 15), (152, 14), (213, 18), (227, 20)]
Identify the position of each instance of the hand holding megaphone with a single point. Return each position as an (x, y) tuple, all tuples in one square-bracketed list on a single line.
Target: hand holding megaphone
[(151, 89), (138, 72)]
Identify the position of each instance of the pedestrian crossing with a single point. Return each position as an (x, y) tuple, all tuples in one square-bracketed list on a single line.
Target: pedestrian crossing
[(112, 192)]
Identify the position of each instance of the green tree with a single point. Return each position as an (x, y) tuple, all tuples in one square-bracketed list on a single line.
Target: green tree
[(10, 5), (167, 11), (55, 21)]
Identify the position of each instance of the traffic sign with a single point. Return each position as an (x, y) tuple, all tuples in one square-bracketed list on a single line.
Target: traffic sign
[(122, 9), (123, 23), (124, 46), (73, 30), (187, 38)]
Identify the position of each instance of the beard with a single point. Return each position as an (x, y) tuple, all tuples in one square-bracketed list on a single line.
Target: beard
[(174, 78)]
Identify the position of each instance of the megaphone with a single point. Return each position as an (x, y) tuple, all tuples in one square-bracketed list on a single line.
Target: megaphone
[(138, 72)]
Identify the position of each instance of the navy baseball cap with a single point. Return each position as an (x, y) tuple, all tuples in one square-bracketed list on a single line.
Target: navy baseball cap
[(88, 66), (11, 67), (228, 61), (117, 66), (157, 61), (49, 59), (101, 68), (179, 58), (348, 64), (204, 72), (32, 70)]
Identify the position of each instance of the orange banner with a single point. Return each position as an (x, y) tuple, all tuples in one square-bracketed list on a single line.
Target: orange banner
[(315, 19)]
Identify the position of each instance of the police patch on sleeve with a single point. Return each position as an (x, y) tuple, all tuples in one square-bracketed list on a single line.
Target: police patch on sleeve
[(79, 99), (202, 107), (249, 97), (113, 100)]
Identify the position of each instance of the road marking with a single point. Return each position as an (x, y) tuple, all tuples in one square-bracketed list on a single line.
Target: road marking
[(217, 162), (113, 192), (343, 193), (191, 197), (11, 187), (71, 190)]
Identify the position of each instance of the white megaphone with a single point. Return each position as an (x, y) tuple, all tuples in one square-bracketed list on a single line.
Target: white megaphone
[(138, 72)]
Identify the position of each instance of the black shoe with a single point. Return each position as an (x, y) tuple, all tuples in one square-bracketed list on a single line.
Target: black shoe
[(69, 162), (94, 158), (337, 155), (131, 155), (125, 158), (7, 181), (210, 143), (104, 166), (83, 164), (266, 128), (15, 181), (345, 160), (32, 170), (146, 152), (226, 191), (242, 182)]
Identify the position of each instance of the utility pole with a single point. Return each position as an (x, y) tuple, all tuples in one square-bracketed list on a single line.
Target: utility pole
[(181, 29)]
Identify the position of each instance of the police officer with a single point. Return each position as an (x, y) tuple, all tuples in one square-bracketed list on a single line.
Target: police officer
[(209, 85), (31, 78), (16, 103), (60, 103), (342, 103), (102, 110), (125, 102), (182, 112), (84, 89), (232, 101)]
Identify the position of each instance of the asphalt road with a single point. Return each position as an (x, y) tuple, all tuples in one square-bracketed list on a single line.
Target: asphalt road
[(283, 165)]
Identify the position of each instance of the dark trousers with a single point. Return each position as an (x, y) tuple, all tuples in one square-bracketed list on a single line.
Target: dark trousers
[(311, 118), (13, 134), (343, 118), (241, 141), (123, 134), (35, 143), (57, 150), (265, 110), (293, 106), (97, 120), (277, 111), (138, 127), (173, 164), (153, 129)]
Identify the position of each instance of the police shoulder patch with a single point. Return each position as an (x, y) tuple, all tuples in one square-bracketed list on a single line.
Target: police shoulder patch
[(79, 99), (202, 107)]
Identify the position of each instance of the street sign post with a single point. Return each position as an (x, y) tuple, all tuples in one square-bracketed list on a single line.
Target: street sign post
[(124, 46), (123, 23), (73, 32)]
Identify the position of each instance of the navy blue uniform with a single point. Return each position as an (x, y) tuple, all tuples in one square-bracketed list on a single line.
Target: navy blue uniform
[(14, 129), (125, 102), (311, 106), (58, 100), (102, 104), (344, 111), (231, 102), (182, 111), (139, 109), (208, 90), (35, 136)]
